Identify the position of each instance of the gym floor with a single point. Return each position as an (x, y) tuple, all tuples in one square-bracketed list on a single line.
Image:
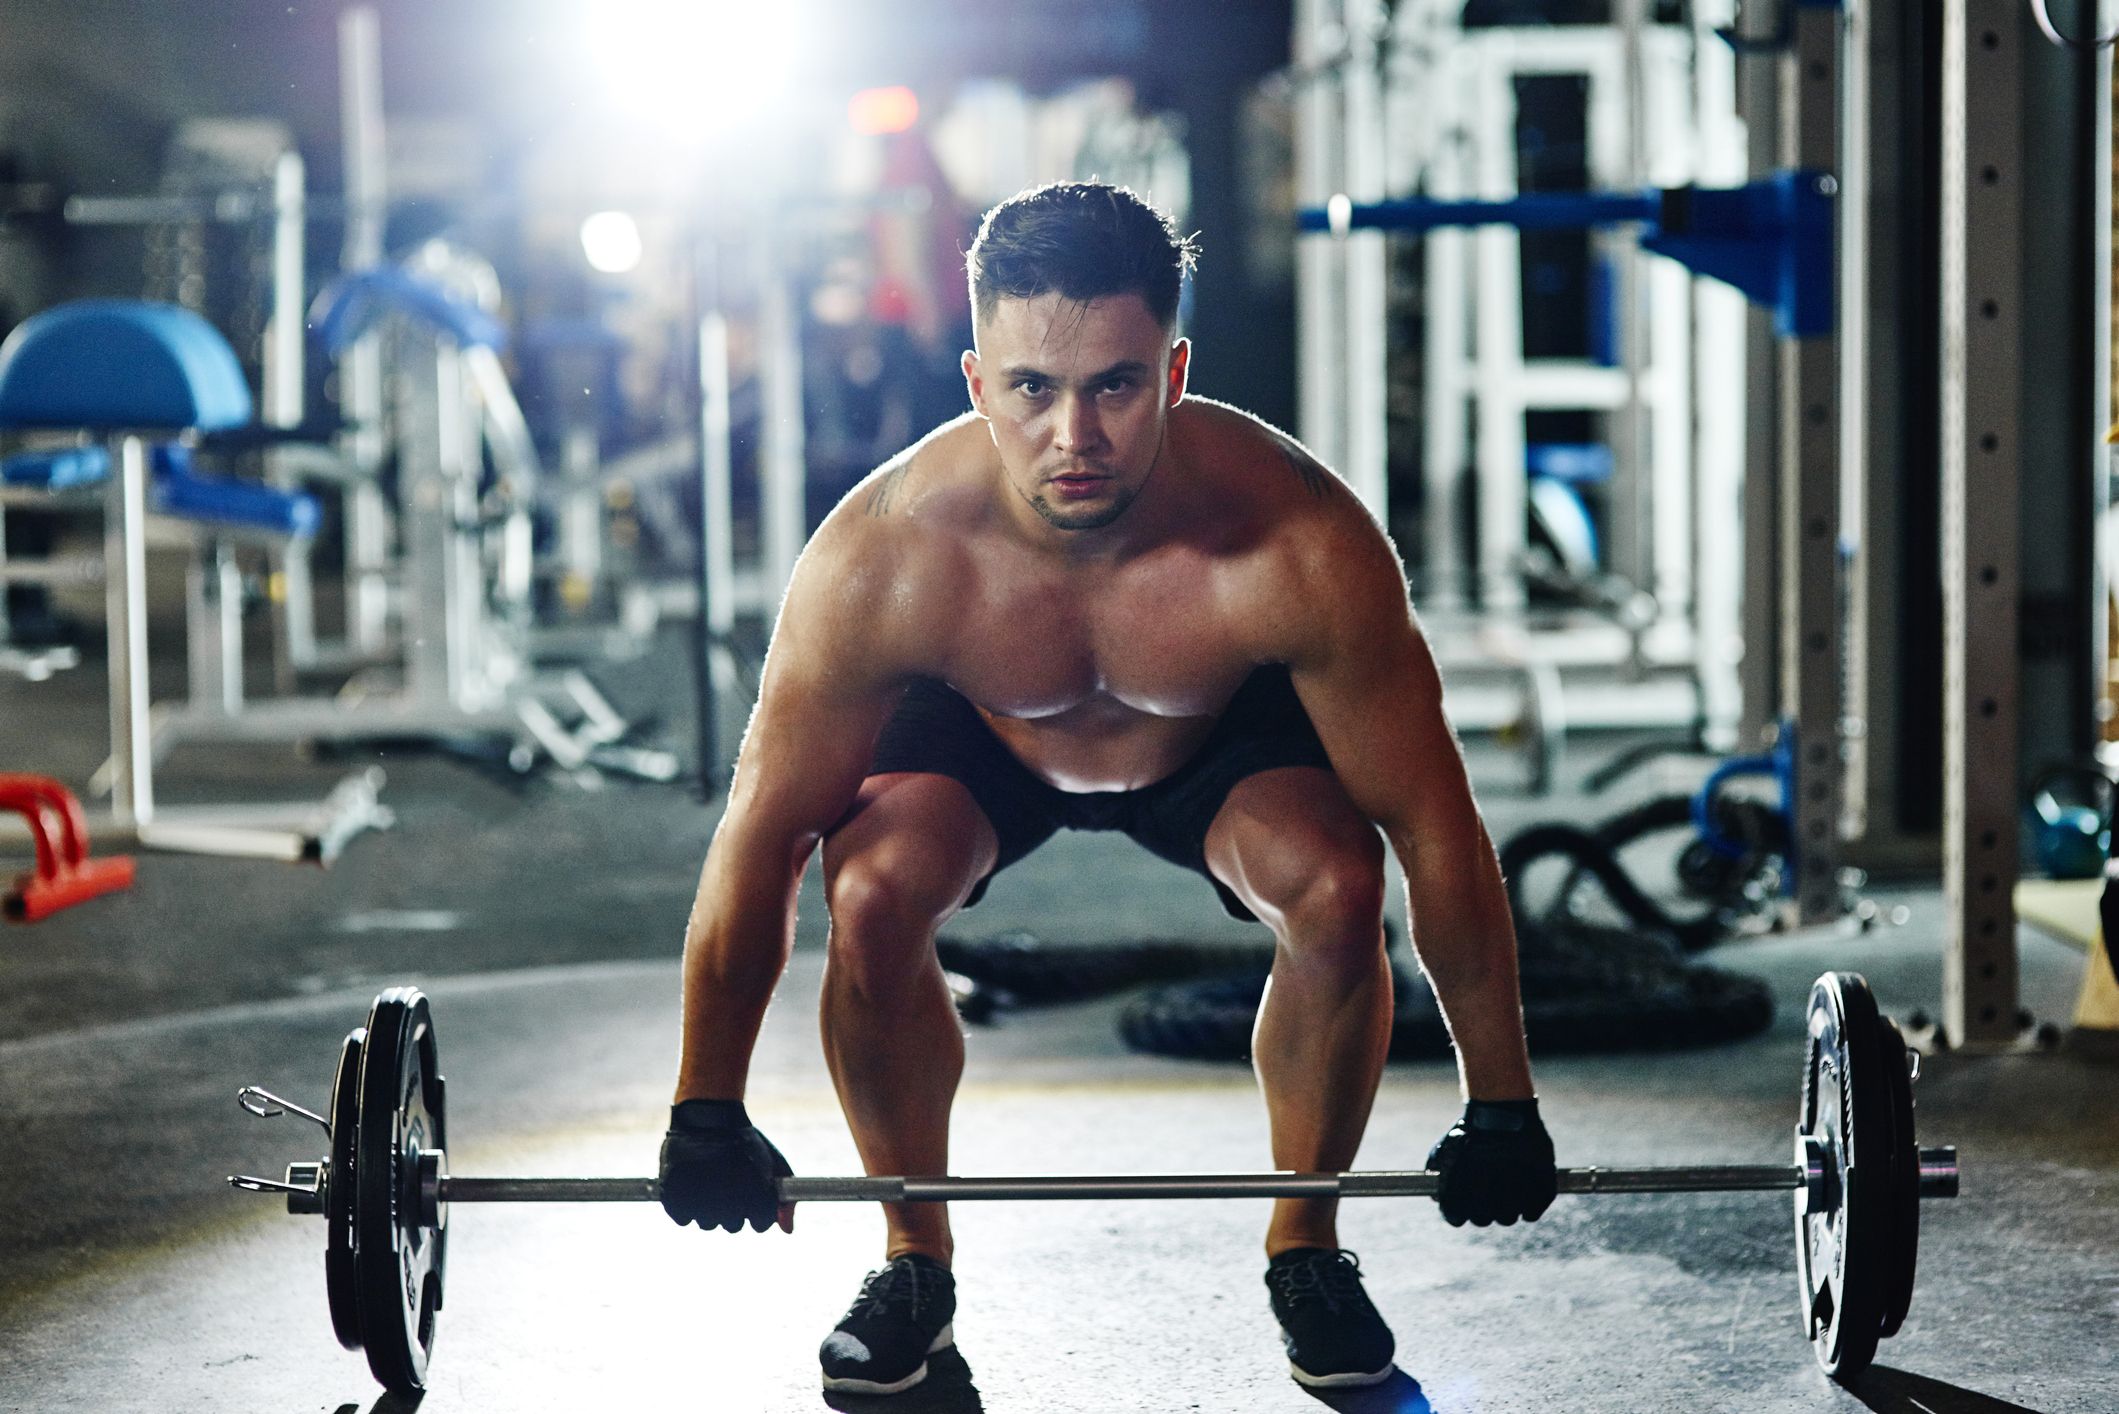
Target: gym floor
[(544, 919)]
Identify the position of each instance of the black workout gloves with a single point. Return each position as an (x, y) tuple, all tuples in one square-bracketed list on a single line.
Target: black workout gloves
[(1496, 1165), (718, 1170)]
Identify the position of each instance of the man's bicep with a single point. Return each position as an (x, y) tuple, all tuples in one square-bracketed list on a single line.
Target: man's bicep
[(808, 747), (1382, 726), (1372, 689), (824, 696)]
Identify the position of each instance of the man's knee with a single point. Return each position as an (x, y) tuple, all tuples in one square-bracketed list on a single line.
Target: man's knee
[(883, 918), (1331, 902)]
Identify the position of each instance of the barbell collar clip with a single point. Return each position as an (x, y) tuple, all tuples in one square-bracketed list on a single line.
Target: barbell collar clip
[(257, 1100), (302, 1186)]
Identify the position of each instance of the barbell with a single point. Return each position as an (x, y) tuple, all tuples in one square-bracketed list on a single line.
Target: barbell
[(384, 1186)]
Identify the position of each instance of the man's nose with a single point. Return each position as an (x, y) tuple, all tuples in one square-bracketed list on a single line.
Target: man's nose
[(1076, 426)]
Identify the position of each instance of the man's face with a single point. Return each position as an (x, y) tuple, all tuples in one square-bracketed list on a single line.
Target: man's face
[(1075, 395)]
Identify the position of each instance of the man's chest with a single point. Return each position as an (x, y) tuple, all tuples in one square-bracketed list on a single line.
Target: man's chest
[(1171, 640)]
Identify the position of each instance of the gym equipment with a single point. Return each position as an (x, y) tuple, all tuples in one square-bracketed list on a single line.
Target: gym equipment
[(44, 470), (125, 369), (1585, 988), (1771, 239), (465, 603), (65, 874), (2069, 820), (385, 1189), (1545, 358)]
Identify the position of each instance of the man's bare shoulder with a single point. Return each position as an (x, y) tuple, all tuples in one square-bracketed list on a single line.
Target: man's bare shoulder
[(1291, 500), (942, 474), (1246, 448), (890, 556), (1303, 526)]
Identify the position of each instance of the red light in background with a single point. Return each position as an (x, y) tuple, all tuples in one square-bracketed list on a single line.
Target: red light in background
[(874, 111)]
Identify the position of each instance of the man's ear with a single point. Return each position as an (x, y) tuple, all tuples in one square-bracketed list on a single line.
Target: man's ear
[(1180, 371), (974, 384)]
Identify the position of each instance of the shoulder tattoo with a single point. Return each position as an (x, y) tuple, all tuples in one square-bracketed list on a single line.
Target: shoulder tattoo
[(886, 489), (1305, 466)]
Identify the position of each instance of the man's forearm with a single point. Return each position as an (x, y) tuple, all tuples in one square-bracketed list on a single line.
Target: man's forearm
[(1484, 1008), (1466, 940), (735, 948)]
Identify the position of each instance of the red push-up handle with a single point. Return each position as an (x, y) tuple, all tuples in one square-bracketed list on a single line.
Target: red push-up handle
[(65, 875)]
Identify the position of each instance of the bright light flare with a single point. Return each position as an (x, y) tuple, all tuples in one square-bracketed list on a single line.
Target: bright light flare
[(694, 66), (875, 111), (611, 241)]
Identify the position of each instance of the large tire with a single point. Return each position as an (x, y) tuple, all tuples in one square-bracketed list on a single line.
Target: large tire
[(1585, 989), (1027, 971)]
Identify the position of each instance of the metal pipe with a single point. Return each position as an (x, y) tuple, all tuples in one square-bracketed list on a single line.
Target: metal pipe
[(361, 395), (782, 467), (1533, 211), (1725, 1178), (1364, 269), (1320, 285), (67, 570), (285, 389), (132, 791)]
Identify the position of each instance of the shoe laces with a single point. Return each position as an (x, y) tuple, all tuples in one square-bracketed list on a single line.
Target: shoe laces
[(901, 1288), (1332, 1278)]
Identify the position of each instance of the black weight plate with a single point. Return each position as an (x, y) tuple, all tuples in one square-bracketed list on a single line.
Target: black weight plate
[(341, 1273), (1844, 1252), (399, 1258), (1905, 1183)]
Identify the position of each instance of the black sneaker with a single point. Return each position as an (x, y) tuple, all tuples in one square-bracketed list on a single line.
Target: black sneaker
[(1334, 1336), (901, 1317)]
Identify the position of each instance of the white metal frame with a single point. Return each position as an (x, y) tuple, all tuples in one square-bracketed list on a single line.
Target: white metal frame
[(1983, 102), (1812, 621), (295, 830), (1647, 82), (462, 623)]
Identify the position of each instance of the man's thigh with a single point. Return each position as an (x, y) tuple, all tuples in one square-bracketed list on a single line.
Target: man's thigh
[(1279, 830), (922, 832), (936, 733)]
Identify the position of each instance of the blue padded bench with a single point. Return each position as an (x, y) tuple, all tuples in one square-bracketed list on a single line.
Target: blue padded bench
[(1576, 463), (120, 366), (178, 489), (133, 375), (56, 468), (350, 306), (129, 365)]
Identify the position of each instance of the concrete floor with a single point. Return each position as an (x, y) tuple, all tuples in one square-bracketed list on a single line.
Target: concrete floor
[(544, 923)]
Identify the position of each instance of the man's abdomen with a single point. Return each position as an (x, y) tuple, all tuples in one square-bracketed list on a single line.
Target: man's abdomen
[(1101, 745)]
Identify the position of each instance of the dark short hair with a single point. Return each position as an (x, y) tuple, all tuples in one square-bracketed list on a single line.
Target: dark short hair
[(1082, 240)]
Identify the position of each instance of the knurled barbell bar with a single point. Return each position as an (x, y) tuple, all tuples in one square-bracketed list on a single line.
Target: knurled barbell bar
[(385, 1188)]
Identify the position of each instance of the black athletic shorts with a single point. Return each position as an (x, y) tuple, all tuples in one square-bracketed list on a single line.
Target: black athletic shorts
[(936, 731)]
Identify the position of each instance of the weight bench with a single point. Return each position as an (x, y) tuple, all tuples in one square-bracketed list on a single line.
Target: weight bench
[(220, 510), (34, 475), (464, 669), (123, 375)]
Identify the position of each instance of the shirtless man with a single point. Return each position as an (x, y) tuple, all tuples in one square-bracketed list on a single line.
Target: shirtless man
[(1096, 603)]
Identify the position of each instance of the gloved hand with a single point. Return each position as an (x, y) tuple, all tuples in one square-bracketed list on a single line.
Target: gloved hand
[(719, 1171), (1496, 1165)]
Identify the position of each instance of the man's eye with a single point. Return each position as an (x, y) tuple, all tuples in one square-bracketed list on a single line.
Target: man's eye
[(1030, 388), (1118, 385)]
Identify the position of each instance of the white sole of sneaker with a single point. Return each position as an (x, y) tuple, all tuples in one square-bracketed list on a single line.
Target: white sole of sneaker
[(1353, 1379), (848, 1385)]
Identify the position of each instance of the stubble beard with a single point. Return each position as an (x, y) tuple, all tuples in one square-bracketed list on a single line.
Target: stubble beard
[(1062, 517)]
